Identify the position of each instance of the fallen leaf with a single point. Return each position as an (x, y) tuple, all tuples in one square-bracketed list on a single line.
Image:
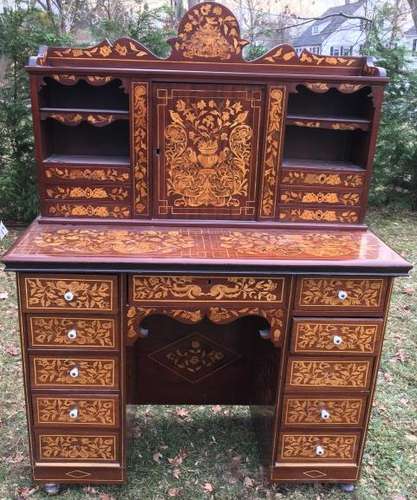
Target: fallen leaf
[(176, 473), (4, 295), (12, 350), (105, 496), (182, 412), (208, 487), (408, 290), (174, 492), (248, 482), (388, 377), (89, 490), (25, 492), (157, 457), (216, 409), (178, 459), (401, 356)]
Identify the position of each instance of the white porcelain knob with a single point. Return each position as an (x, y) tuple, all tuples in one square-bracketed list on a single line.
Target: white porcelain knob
[(337, 340), (324, 414), (319, 450), (72, 334), (68, 296), (342, 295), (74, 372), (73, 413)]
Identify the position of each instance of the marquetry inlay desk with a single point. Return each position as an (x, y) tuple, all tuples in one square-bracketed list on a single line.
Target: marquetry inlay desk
[(201, 240)]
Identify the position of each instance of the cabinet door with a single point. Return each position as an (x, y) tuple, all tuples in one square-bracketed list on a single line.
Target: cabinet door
[(207, 150)]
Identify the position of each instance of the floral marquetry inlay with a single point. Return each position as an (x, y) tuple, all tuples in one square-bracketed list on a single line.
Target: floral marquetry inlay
[(140, 96), (325, 198), (318, 336), (324, 292), (74, 447), (300, 178), (88, 294), (308, 411), (78, 210), (90, 411), (91, 372), (318, 215), (273, 146), (323, 373), (194, 357), (336, 447), (180, 288), (88, 174), (209, 32), (86, 192), (53, 331)]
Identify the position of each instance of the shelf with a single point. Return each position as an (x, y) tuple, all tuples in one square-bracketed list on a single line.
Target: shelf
[(74, 116), (328, 122), (321, 165), (87, 160)]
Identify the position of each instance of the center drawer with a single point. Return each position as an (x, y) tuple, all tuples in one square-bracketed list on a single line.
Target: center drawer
[(151, 289)]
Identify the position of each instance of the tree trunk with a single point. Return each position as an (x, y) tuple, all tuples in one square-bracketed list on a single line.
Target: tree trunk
[(413, 8)]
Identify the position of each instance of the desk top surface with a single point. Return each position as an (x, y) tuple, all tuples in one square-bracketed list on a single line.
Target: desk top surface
[(122, 247)]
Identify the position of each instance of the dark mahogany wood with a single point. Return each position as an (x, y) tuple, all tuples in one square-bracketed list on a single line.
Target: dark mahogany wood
[(202, 241)]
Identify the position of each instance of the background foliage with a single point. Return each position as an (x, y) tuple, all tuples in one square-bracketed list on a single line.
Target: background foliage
[(24, 28)]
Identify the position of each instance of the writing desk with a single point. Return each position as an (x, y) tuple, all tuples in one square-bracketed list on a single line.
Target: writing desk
[(202, 240)]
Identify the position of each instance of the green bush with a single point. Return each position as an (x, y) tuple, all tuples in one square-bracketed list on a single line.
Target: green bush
[(22, 31)]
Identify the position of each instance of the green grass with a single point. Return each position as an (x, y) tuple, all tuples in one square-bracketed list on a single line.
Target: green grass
[(216, 445)]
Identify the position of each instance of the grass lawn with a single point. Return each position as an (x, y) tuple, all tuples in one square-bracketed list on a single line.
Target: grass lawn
[(210, 452)]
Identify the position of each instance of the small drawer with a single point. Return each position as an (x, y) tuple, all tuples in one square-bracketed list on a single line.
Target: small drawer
[(92, 192), (342, 336), (96, 411), (318, 447), (103, 175), (322, 197), (72, 332), (81, 446), (69, 293), (116, 210), (340, 295), (322, 178), (328, 215), (324, 411), (77, 372), (149, 289), (324, 373)]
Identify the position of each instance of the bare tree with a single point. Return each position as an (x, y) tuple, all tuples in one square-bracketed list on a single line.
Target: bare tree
[(413, 8)]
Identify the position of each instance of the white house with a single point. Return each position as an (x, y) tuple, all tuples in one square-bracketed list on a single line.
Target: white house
[(336, 35)]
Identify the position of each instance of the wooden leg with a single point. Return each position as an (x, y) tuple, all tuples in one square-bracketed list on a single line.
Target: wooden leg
[(347, 487), (52, 488)]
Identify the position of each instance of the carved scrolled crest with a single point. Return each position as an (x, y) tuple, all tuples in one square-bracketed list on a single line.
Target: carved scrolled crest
[(208, 32)]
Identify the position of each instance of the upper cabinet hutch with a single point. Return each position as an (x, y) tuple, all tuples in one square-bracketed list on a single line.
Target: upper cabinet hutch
[(202, 240)]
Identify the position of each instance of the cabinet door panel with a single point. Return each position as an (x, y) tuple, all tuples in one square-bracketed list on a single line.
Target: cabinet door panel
[(207, 145)]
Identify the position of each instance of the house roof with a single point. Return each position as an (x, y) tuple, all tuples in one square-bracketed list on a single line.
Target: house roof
[(411, 32), (307, 37)]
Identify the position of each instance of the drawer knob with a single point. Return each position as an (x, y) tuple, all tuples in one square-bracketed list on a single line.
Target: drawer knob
[(74, 372), (342, 294), (319, 450), (73, 413), (324, 414), (68, 296), (72, 334), (337, 340)]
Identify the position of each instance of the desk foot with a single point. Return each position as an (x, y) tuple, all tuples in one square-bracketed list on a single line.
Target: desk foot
[(52, 488), (347, 487)]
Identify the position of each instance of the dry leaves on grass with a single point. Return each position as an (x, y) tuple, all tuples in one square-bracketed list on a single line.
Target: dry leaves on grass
[(25, 492), (174, 492), (248, 482), (105, 496), (12, 350), (4, 295), (178, 459), (208, 487), (157, 457)]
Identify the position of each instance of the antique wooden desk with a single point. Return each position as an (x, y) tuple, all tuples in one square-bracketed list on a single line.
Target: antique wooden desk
[(201, 240)]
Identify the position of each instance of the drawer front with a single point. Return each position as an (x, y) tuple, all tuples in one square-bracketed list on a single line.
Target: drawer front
[(340, 295), (81, 210), (108, 175), (77, 446), (340, 336), (100, 372), (86, 193), (322, 178), (195, 289), (69, 293), (320, 447), (97, 411), (72, 332), (319, 197), (346, 215), (323, 373), (341, 410)]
